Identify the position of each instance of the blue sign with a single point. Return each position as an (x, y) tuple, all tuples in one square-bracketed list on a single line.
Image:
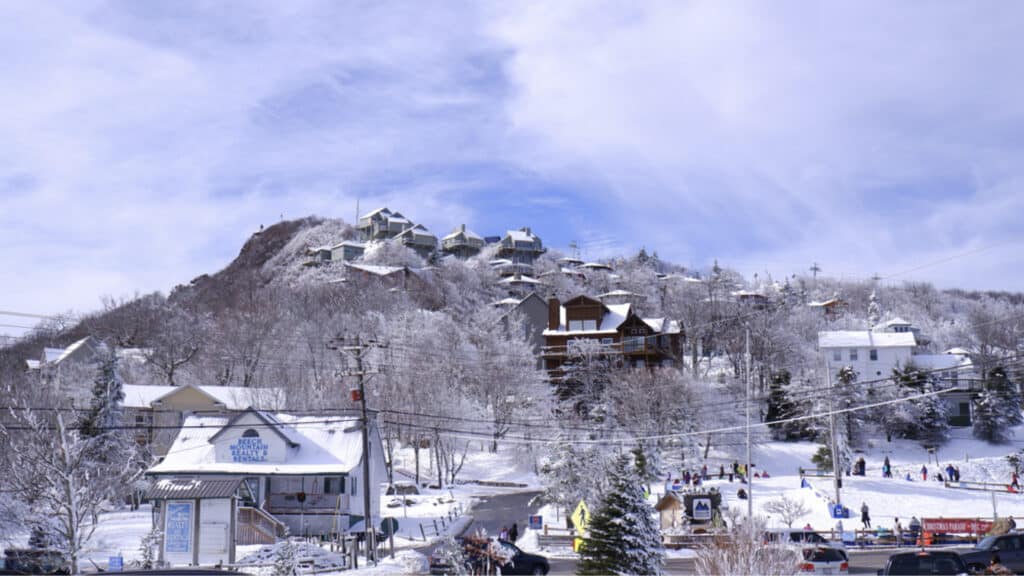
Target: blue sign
[(249, 450), (115, 564), (178, 528), (536, 522), (840, 511)]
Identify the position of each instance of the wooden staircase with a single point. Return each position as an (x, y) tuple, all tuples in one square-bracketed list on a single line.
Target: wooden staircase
[(258, 527)]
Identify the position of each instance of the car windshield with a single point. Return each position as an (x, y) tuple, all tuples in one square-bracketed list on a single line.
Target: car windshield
[(987, 543), (823, 555)]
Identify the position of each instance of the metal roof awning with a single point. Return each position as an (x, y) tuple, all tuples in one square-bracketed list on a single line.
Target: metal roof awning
[(193, 489)]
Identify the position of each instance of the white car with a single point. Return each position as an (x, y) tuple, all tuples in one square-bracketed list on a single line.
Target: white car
[(824, 560)]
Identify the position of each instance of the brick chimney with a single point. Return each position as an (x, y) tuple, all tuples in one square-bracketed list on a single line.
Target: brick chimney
[(554, 313)]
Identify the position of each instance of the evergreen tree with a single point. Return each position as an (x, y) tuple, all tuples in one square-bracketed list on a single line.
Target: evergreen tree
[(934, 417), (623, 537), (648, 465), (782, 407), (997, 408)]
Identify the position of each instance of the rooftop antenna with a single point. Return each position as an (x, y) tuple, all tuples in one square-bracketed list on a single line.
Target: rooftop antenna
[(815, 269), (575, 249), (356, 221)]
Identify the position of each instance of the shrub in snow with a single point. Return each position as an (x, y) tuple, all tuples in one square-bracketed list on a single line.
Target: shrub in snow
[(286, 561), (623, 537), (743, 552), (148, 549)]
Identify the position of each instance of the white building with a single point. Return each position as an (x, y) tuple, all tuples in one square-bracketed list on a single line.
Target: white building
[(242, 480), (872, 354)]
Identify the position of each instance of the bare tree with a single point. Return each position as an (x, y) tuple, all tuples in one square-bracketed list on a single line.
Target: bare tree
[(743, 552), (50, 469), (787, 509)]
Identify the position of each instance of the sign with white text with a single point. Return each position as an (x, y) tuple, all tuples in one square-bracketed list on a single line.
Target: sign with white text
[(248, 449), (178, 528)]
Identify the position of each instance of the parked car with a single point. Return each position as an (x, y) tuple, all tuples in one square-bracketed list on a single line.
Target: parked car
[(1008, 546), (824, 560), (799, 537), (506, 555), (925, 562)]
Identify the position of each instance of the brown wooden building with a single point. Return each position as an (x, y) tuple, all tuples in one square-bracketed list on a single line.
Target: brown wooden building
[(621, 333)]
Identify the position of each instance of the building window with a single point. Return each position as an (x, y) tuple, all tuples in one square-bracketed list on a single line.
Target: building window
[(639, 363), (633, 344), (354, 485), (837, 355), (334, 485), (873, 355), (575, 325), (853, 354), (250, 433), (607, 341)]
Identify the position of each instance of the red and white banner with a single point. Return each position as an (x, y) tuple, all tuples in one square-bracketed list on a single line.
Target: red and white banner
[(956, 525)]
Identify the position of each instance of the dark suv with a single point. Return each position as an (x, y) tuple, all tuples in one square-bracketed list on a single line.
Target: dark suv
[(519, 562), (1010, 548), (925, 562)]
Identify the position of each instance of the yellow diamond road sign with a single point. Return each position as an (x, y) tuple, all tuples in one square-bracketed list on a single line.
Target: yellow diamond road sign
[(581, 517)]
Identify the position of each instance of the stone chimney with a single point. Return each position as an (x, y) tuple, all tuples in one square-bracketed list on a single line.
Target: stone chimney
[(554, 313)]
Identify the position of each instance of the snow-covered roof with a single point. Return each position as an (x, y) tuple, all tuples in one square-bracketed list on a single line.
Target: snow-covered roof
[(349, 243), (500, 262), (823, 303), (958, 351), (865, 339), (375, 269), (896, 322), (595, 266), (465, 231), (382, 210), (519, 279), (232, 397), (618, 294), (655, 323), (32, 364), (521, 236), (322, 446), (570, 261), (940, 361), (507, 302), (51, 354), (614, 316)]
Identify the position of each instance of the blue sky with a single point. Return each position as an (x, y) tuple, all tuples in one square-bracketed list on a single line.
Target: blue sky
[(144, 141)]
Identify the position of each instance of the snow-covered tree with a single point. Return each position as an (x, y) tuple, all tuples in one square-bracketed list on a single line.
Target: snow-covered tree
[(874, 311), (997, 408), (623, 537), (51, 468)]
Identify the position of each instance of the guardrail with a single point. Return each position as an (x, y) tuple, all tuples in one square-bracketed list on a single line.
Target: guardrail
[(439, 526), (981, 486)]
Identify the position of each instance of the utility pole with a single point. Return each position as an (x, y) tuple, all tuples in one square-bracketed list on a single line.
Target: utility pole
[(750, 472), (358, 349), (832, 433)]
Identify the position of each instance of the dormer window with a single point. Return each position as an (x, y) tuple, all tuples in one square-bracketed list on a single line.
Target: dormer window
[(579, 325)]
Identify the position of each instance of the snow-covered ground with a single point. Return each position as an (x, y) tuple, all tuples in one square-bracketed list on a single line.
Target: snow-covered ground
[(120, 532), (886, 498)]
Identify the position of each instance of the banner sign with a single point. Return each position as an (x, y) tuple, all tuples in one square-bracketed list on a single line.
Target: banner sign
[(178, 528), (956, 525), (249, 450)]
